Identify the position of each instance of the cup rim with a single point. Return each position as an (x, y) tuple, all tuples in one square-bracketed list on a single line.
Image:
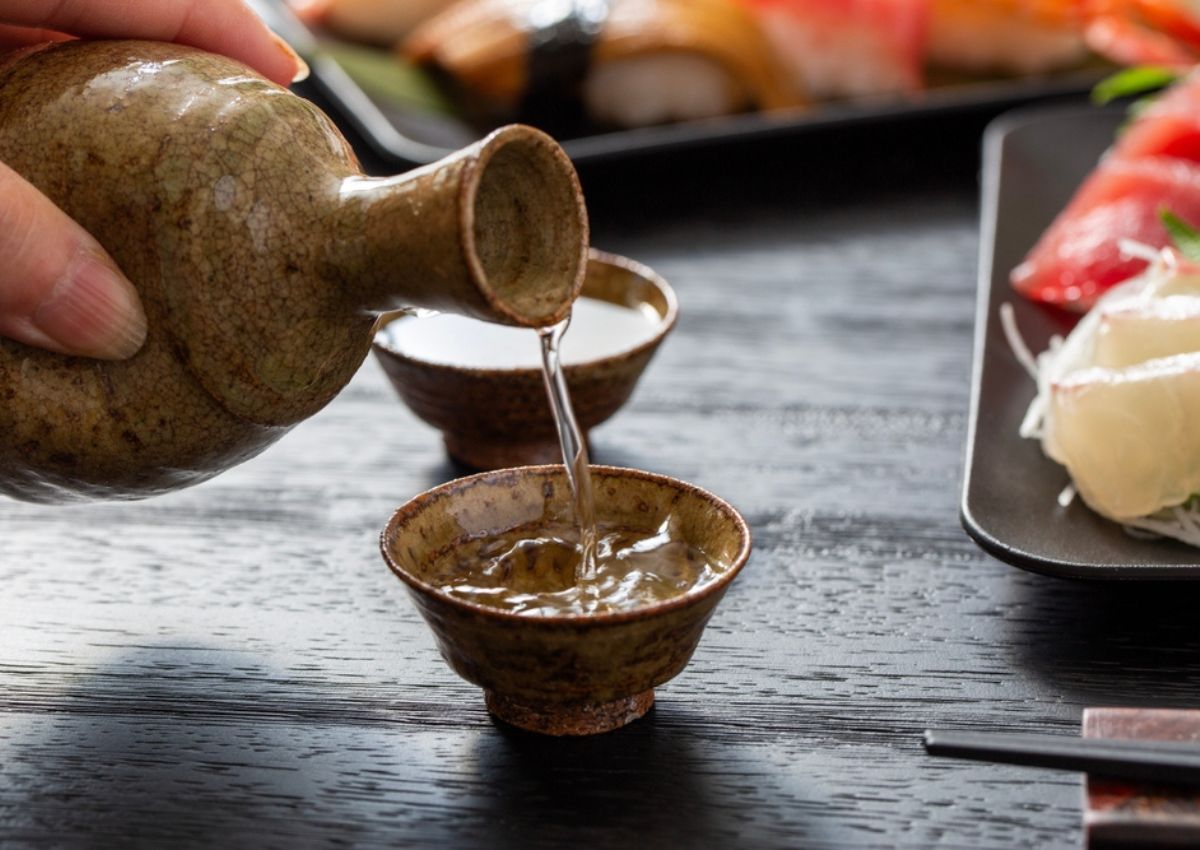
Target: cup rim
[(684, 600), (665, 325)]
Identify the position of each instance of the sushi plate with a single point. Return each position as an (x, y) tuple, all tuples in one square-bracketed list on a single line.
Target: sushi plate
[(1033, 161), (401, 138)]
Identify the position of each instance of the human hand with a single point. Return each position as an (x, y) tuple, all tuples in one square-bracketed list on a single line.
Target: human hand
[(59, 289)]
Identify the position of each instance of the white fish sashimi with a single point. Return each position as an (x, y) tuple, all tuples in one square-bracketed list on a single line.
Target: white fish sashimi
[(1118, 401), (1126, 436)]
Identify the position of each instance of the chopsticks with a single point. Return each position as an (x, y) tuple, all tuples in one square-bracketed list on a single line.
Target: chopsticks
[(1160, 762)]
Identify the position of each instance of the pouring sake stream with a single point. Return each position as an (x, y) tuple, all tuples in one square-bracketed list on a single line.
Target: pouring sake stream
[(261, 253)]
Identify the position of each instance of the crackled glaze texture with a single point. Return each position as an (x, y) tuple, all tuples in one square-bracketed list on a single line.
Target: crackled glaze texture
[(261, 254), (574, 674), (496, 418)]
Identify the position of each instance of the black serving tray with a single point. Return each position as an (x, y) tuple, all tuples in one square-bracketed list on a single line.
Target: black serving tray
[(1033, 161), (400, 140)]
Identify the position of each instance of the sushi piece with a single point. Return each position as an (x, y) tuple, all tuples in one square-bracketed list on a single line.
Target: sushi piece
[(849, 48), (381, 22), (1177, 18), (624, 62), (1038, 36), (1143, 32), (1006, 36), (1079, 257)]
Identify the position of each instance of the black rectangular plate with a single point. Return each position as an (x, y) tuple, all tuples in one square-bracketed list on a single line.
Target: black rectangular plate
[(1033, 162), (400, 140)]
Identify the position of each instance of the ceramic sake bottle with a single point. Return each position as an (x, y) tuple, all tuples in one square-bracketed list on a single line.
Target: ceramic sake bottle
[(261, 253)]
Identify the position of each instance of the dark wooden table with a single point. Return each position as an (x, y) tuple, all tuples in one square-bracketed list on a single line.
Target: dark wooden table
[(233, 666)]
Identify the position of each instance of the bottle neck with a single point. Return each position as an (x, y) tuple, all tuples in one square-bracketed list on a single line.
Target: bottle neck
[(497, 232)]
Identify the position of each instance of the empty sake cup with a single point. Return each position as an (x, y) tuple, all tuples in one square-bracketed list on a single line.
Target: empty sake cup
[(563, 674), (481, 385)]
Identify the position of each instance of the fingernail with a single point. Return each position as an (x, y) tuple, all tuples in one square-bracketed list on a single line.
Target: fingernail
[(94, 311), (302, 69)]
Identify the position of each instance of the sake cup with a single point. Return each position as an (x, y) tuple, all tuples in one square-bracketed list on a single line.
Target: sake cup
[(492, 418), (570, 674)]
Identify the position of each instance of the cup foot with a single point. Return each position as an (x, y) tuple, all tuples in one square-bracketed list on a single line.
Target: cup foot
[(589, 718), (483, 455)]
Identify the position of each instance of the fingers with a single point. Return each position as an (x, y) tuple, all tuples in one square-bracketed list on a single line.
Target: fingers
[(222, 26), (58, 288)]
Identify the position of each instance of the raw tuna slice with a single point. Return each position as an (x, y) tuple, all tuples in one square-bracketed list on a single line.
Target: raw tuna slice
[(1079, 257), (1170, 127), (847, 48)]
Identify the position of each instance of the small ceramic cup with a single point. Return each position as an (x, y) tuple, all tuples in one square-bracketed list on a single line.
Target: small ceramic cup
[(571, 674), (495, 418)]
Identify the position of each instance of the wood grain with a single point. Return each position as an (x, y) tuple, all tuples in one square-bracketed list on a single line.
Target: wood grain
[(234, 666)]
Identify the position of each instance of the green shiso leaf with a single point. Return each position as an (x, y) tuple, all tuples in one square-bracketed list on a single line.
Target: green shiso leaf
[(1133, 81), (1185, 237)]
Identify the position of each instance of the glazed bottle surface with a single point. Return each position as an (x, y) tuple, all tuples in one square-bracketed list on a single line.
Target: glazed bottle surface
[(261, 253)]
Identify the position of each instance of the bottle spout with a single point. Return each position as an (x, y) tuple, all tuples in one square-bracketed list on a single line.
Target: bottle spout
[(497, 231)]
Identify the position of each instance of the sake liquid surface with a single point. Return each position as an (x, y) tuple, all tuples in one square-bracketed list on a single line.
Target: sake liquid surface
[(535, 571), (582, 568), (598, 329)]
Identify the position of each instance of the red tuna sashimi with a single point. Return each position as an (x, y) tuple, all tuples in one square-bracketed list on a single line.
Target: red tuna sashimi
[(1079, 256), (847, 48), (1169, 127)]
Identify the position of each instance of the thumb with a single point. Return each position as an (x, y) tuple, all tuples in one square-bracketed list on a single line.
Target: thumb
[(58, 288)]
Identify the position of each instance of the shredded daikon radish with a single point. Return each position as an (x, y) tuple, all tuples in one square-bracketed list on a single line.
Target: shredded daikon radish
[(1008, 322), (1179, 522), (1031, 425), (1142, 251)]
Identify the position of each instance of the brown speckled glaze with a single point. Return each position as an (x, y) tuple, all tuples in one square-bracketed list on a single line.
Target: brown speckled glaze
[(570, 674), (496, 418), (261, 253)]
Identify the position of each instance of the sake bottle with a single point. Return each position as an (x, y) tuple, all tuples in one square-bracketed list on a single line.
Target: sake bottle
[(261, 253)]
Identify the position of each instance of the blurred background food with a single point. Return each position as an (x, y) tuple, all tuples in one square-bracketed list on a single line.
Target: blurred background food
[(380, 22), (624, 62), (1005, 36), (847, 48), (584, 66)]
